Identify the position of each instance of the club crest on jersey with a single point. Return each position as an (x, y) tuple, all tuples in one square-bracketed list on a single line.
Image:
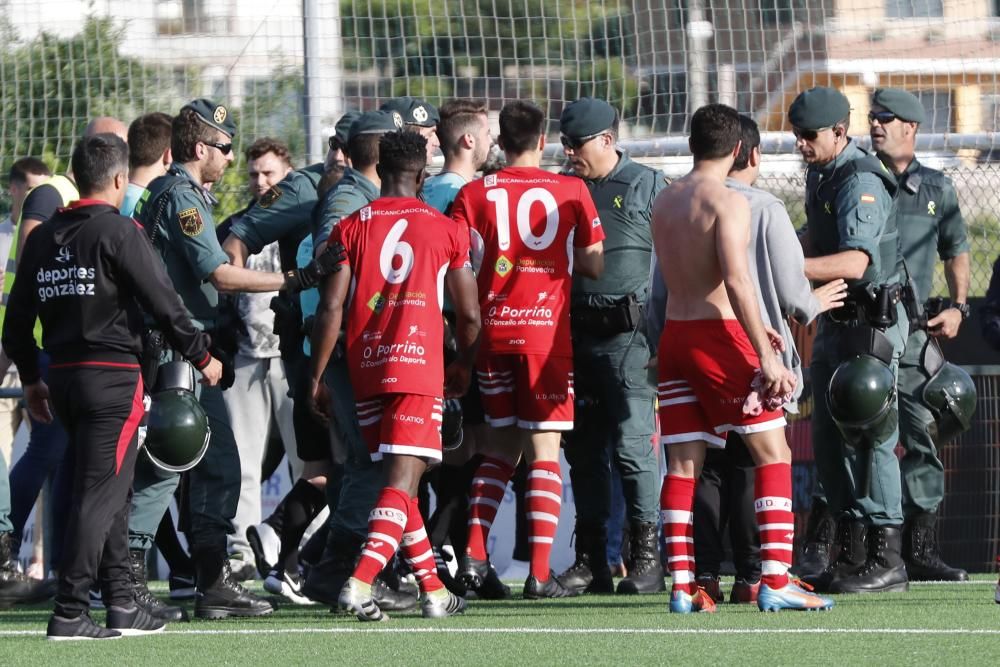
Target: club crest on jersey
[(191, 222), (490, 180), (503, 266), (377, 303), (366, 214), (271, 196)]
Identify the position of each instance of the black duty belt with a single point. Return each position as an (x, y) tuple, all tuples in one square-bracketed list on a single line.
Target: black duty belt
[(871, 305), (622, 316)]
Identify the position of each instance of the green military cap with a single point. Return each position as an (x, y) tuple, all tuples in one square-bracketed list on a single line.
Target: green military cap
[(818, 108), (343, 127), (586, 117), (905, 105), (213, 114), (376, 122), (414, 111)]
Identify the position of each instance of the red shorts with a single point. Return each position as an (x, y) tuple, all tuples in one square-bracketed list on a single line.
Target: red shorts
[(402, 424), (705, 371), (528, 390)]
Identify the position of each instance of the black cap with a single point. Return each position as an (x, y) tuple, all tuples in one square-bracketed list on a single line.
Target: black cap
[(213, 114), (414, 111), (818, 108), (375, 122), (343, 127), (903, 104), (586, 117)]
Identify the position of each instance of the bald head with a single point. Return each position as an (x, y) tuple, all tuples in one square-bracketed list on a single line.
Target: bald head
[(106, 125)]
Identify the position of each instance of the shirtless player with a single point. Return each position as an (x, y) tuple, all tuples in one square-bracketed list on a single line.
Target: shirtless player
[(713, 343)]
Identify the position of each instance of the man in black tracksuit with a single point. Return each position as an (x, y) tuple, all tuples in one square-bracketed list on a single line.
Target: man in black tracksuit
[(86, 273)]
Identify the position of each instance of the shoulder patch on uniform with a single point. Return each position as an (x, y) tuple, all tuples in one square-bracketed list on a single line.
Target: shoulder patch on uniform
[(867, 199), (191, 222), (272, 195), (617, 202)]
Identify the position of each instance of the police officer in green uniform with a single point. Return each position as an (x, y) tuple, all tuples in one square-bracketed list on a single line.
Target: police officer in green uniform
[(611, 355), (929, 222), (176, 211), (851, 234), (348, 523)]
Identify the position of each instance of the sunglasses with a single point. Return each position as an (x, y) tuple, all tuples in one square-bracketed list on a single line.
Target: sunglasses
[(808, 135), (574, 143), (225, 149), (881, 117), (334, 143)]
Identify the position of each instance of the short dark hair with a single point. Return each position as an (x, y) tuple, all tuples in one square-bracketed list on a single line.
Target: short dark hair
[(363, 150), (188, 129), (715, 131), (148, 139), (27, 165), (458, 118), (402, 152), (266, 145), (521, 124), (749, 140), (97, 160)]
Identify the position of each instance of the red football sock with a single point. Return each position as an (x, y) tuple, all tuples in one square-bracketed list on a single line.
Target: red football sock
[(488, 487), (677, 511), (544, 500), (417, 551), (385, 528), (773, 504)]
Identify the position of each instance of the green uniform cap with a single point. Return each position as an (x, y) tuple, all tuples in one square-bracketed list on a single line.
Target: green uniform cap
[(343, 127), (586, 117), (818, 108), (376, 122), (213, 114), (413, 111), (905, 105)]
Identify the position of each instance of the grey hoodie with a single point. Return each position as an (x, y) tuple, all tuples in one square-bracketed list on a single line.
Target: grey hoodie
[(776, 266)]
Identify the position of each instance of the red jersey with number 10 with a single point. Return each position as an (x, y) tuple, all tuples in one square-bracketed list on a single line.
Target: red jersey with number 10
[(399, 250), (524, 223)]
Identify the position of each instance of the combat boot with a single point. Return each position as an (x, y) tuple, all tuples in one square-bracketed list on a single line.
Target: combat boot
[(920, 551), (15, 586), (645, 570), (589, 573), (223, 596), (143, 597), (884, 571), (818, 543), (850, 545), (327, 577)]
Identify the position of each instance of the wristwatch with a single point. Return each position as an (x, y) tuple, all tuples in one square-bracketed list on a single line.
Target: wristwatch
[(962, 308)]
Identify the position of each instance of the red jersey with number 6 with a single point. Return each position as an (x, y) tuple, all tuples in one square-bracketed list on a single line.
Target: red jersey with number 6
[(399, 250), (524, 223)]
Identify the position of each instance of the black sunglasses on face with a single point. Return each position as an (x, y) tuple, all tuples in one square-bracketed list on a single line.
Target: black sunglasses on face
[(334, 143), (881, 117), (225, 149), (808, 135), (574, 143)]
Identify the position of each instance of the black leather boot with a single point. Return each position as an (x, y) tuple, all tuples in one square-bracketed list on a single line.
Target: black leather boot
[(884, 571), (920, 551), (334, 568), (219, 595), (818, 543), (645, 570), (143, 597), (849, 542), (15, 586), (589, 573)]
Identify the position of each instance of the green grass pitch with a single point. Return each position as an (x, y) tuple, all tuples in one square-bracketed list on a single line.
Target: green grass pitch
[(933, 624)]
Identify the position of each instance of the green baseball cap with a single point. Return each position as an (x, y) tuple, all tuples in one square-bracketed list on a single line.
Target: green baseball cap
[(818, 108), (213, 114), (414, 111), (586, 117), (905, 105), (343, 127), (375, 122)]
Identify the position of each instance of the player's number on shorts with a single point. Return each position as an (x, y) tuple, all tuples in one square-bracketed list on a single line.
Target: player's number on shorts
[(393, 247), (501, 199)]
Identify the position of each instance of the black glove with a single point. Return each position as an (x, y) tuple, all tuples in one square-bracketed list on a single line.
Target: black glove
[(228, 367), (309, 275)]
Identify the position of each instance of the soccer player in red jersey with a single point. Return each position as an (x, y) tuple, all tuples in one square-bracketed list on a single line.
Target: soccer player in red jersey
[(400, 255), (530, 230)]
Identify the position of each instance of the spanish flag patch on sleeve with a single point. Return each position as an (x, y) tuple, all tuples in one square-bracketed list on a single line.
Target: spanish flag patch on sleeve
[(867, 199)]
